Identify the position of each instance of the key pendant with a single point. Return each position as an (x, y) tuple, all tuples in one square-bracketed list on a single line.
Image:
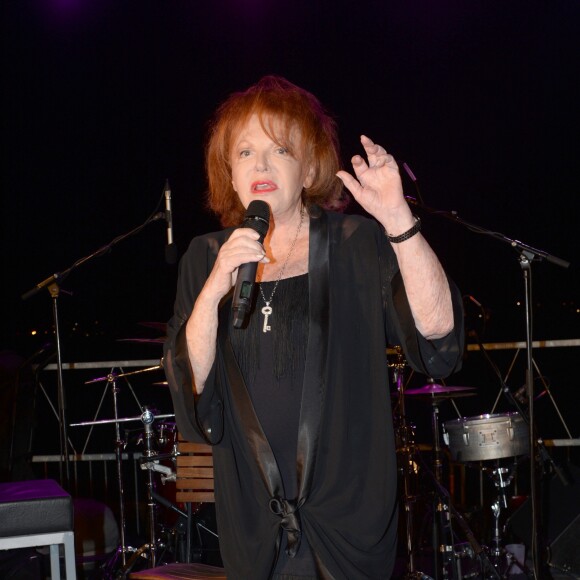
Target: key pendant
[(266, 311)]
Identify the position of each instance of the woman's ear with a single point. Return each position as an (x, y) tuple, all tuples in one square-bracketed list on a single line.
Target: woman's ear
[(309, 179)]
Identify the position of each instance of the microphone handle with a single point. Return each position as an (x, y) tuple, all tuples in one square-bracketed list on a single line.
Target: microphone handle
[(244, 292)]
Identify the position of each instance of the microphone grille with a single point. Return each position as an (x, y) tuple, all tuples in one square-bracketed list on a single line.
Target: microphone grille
[(257, 217)]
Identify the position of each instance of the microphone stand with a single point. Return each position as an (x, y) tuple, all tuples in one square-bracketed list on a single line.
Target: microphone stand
[(526, 255), (52, 284)]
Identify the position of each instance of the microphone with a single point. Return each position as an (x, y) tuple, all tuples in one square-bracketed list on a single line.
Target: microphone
[(257, 217), (170, 248)]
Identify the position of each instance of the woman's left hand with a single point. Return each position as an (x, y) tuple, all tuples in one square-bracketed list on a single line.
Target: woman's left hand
[(377, 187)]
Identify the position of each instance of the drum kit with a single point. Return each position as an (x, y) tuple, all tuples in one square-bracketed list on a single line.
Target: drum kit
[(167, 537), (489, 443)]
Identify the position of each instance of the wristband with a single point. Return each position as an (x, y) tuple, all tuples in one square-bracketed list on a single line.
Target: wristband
[(406, 235)]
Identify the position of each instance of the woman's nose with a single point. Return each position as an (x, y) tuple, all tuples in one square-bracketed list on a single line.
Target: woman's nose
[(262, 162)]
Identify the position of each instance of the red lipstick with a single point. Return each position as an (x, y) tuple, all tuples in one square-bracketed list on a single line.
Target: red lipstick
[(263, 186)]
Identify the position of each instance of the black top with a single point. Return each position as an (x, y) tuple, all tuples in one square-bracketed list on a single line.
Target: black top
[(346, 502), (272, 365)]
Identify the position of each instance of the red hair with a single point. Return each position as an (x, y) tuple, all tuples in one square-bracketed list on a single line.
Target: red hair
[(273, 99)]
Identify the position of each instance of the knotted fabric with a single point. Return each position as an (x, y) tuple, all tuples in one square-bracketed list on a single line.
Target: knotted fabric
[(287, 509)]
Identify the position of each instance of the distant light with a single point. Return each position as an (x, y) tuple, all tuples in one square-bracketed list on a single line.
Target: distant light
[(33, 333), (518, 303)]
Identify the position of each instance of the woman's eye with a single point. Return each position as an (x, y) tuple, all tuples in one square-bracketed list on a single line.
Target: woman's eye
[(282, 150), (244, 153)]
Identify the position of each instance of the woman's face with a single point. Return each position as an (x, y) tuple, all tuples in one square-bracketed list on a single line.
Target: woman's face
[(262, 169)]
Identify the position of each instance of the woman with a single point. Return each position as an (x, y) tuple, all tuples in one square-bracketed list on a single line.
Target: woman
[(297, 404)]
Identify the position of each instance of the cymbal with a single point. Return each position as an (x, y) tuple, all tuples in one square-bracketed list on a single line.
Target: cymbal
[(435, 390), (113, 376)]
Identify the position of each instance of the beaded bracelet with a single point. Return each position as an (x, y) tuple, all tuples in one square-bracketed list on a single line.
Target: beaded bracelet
[(408, 234)]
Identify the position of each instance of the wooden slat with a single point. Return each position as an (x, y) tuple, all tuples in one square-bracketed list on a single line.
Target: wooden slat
[(194, 497), (194, 482), (188, 447), (195, 472), (193, 460)]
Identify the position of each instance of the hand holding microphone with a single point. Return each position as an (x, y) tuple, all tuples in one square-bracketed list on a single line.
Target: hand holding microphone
[(257, 217)]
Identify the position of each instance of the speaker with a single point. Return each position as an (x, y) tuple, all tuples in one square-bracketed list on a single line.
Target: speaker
[(564, 551), (561, 522)]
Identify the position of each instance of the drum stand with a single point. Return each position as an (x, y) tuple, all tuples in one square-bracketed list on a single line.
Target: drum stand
[(405, 452), (502, 559), (147, 418), (149, 462), (443, 552), (446, 560)]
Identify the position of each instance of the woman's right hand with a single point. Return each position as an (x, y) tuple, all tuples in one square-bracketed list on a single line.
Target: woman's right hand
[(242, 247)]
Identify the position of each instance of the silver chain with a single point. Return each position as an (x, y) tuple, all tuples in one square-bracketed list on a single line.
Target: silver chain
[(267, 302)]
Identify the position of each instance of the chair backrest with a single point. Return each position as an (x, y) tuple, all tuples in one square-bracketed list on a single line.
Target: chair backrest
[(194, 477)]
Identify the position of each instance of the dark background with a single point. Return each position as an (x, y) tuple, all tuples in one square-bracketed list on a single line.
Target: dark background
[(104, 100)]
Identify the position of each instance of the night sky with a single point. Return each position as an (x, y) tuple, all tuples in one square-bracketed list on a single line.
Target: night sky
[(103, 100)]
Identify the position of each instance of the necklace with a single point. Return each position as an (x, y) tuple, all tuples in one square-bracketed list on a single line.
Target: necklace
[(267, 310)]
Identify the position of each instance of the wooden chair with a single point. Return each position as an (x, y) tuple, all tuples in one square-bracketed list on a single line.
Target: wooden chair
[(194, 485), (194, 482)]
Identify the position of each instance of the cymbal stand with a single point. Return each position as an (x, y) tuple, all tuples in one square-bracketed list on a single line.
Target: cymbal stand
[(405, 450), (147, 419), (122, 549), (119, 446), (443, 552)]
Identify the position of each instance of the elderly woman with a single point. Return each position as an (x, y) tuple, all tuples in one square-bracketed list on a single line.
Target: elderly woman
[(298, 409)]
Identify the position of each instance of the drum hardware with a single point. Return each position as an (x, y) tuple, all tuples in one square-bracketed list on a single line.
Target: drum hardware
[(442, 530), (481, 439), (405, 452), (120, 444), (434, 390), (502, 559), (147, 418), (149, 463), (111, 375), (446, 558), (451, 566), (111, 380)]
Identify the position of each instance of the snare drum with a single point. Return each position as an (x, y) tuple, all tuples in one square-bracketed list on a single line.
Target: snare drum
[(486, 437)]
